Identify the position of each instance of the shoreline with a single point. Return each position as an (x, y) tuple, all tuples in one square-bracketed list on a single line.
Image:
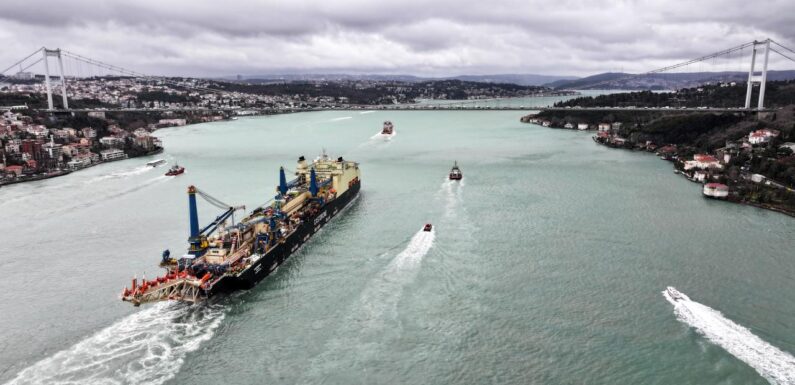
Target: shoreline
[(609, 145), (58, 173)]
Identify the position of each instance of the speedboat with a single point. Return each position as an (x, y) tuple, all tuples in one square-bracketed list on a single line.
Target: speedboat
[(388, 129), (455, 172), (675, 294), (175, 170), (428, 227), (156, 162)]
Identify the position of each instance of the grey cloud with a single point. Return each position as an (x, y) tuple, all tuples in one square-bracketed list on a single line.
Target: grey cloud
[(410, 36)]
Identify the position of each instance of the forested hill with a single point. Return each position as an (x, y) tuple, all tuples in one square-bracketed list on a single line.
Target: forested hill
[(778, 94)]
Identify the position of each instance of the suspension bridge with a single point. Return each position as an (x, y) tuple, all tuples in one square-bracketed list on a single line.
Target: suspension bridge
[(73, 69)]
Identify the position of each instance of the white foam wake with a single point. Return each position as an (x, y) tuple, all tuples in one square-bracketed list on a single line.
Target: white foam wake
[(379, 135), (412, 255), (366, 112), (385, 290), (340, 118), (147, 347), (122, 174), (777, 366)]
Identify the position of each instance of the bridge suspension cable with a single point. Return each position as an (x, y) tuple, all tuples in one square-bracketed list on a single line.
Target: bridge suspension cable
[(783, 47), (675, 66), (38, 51)]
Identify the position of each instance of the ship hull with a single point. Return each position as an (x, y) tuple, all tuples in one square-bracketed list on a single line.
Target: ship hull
[(277, 255)]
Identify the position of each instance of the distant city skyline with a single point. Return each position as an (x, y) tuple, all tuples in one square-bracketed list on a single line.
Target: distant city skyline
[(443, 38)]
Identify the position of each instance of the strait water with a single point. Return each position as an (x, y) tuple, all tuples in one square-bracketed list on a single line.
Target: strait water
[(546, 265)]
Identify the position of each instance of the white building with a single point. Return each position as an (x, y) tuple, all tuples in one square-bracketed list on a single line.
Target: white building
[(604, 126), (703, 162), (79, 162), (716, 190), (112, 154), (111, 141), (582, 126), (762, 136)]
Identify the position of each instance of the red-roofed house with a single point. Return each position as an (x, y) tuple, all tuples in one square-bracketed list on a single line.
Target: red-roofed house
[(702, 161), (716, 190), (762, 136)]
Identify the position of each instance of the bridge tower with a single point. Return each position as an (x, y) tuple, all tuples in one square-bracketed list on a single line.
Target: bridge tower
[(57, 53), (754, 78)]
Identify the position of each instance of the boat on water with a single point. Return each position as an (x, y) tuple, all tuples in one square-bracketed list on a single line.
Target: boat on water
[(455, 172), (226, 255), (388, 129), (175, 170), (428, 227), (675, 295), (156, 162)]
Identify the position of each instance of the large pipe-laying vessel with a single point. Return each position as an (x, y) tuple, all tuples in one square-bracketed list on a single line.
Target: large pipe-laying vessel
[(226, 256)]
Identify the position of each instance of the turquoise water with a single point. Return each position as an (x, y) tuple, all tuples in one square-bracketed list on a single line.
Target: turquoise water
[(546, 265)]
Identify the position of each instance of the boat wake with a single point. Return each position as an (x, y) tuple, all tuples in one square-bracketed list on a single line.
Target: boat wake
[(776, 366), (366, 112), (340, 118), (122, 174), (379, 300), (374, 319), (381, 136), (147, 347), (452, 192)]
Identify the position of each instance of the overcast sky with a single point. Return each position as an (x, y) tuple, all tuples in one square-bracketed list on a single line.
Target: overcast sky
[(227, 37)]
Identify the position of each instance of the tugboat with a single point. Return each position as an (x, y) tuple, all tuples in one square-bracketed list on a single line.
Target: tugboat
[(388, 129), (455, 172), (175, 170), (428, 227), (229, 254)]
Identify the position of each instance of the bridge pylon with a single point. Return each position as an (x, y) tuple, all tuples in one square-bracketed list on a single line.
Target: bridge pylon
[(46, 53), (753, 78)]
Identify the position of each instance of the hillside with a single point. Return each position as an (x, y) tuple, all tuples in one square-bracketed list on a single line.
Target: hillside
[(665, 81)]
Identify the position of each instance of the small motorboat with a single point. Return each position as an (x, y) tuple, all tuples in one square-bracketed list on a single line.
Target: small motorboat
[(388, 129), (428, 227), (175, 170), (675, 294), (455, 172), (156, 162)]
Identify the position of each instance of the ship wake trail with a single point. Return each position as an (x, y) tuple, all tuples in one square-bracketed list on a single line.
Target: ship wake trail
[(122, 174), (373, 320), (379, 136), (147, 347), (385, 291), (775, 365)]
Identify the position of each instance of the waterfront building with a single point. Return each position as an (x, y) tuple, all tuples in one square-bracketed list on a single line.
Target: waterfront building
[(78, 162), (716, 190), (702, 161), (16, 170), (582, 126), (604, 126), (112, 154)]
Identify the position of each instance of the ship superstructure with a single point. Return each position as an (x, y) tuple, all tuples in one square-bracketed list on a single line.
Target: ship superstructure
[(226, 256), (388, 129)]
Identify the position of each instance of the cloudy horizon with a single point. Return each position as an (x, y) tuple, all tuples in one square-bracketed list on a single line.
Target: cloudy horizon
[(443, 38)]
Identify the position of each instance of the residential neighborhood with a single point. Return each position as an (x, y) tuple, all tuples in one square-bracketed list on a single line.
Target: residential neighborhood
[(32, 151)]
